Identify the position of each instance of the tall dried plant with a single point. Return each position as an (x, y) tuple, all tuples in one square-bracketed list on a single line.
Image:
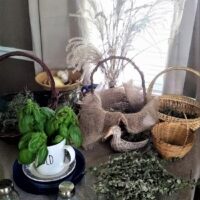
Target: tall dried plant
[(117, 28), (80, 54)]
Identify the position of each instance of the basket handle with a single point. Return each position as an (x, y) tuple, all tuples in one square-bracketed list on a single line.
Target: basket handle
[(54, 94), (150, 88), (187, 125), (122, 58)]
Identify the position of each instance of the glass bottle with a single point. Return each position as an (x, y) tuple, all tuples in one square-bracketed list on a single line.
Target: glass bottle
[(7, 191), (66, 191)]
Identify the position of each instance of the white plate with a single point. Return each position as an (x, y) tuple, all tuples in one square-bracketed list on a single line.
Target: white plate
[(32, 173)]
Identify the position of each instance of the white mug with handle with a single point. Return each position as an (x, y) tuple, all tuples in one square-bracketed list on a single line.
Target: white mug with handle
[(56, 161)]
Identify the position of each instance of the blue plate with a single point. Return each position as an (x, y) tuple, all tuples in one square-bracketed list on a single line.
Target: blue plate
[(36, 187)]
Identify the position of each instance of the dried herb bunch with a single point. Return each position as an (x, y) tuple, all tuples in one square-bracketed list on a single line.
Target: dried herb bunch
[(178, 114), (8, 117), (135, 175), (117, 23)]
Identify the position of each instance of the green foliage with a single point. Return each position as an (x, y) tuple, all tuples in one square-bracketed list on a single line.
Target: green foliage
[(41, 155), (31, 118), (75, 135), (41, 126), (9, 110), (64, 124), (135, 175), (26, 156)]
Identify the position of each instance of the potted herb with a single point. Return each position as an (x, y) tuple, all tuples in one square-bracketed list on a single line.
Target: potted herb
[(41, 127)]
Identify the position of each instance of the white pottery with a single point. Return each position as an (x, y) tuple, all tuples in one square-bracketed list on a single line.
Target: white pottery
[(56, 161)]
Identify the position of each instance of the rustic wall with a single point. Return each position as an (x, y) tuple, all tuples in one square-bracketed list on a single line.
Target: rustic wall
[(15, 32)]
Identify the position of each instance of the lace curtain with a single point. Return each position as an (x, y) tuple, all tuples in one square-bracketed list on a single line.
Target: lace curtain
[(51, 28), (180, 43)]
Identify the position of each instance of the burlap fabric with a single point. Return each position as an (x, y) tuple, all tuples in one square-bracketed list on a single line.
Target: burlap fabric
[(100, 111)]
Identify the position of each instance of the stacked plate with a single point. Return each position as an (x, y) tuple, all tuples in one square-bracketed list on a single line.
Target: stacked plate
[(29, 180)]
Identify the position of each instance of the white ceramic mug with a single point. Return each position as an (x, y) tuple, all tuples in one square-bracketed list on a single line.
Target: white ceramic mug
[(56, 161)]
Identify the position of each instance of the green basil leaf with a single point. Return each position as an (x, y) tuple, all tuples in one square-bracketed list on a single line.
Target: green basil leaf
[(75, 136), (50, 127), (37, 114), (39, 125), (36, 142), (44, 136), (63, 131), (23, 143), (41, 156), (26, 156), (25, 123), (57, 139), (47, 112)]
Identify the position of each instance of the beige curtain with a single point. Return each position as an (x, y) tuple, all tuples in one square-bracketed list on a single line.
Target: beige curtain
[(192, 83), (190, 165), (51, 28), (180, 43)]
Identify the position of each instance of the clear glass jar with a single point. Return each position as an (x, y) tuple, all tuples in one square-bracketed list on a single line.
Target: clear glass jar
[(7, 191)]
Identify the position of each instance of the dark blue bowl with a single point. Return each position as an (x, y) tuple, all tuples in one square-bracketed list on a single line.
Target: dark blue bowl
[(36, 187)]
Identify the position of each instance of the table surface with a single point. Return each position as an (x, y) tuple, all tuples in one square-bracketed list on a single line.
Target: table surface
[(188, 167)]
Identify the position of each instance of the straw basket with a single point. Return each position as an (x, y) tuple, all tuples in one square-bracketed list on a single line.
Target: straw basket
[(42, 79), (172, 139), (14, 136), (181, 104)]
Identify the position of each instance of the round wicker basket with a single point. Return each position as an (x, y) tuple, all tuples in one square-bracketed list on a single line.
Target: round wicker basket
[(181, 104), (172, 139), (13, 136), (43, 79)]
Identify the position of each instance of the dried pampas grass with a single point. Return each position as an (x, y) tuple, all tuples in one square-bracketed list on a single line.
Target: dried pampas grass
[(81, 54)]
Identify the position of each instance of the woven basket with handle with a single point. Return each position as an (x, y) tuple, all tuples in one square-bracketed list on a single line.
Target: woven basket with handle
[(181, 104), (95, 120), (172, 139), (14, 136)]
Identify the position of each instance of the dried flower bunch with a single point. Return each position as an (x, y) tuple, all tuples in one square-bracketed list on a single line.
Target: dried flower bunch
[(8, 116), (117, 24), (80, 54), (135, 175)]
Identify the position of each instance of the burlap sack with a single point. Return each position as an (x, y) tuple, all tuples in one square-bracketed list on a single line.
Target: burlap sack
[(100, 111)]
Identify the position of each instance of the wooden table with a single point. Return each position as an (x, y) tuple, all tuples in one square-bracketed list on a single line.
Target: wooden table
[(187, 167)]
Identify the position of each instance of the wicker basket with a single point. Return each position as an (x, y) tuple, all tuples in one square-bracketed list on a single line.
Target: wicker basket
[(102, 62), (42, 79), (13, 137), (96, 109), (178, 103), (172, 139)]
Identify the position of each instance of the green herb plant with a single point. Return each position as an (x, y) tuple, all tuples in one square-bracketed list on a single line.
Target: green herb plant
[(42, 126), (135, 175), (9, 110)]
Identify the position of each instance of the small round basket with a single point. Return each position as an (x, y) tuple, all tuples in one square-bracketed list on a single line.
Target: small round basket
[(181, 104), (172, 139), (43, 80)]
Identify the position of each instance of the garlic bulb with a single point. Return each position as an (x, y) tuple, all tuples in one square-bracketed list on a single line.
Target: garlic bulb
[(64, 75)]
